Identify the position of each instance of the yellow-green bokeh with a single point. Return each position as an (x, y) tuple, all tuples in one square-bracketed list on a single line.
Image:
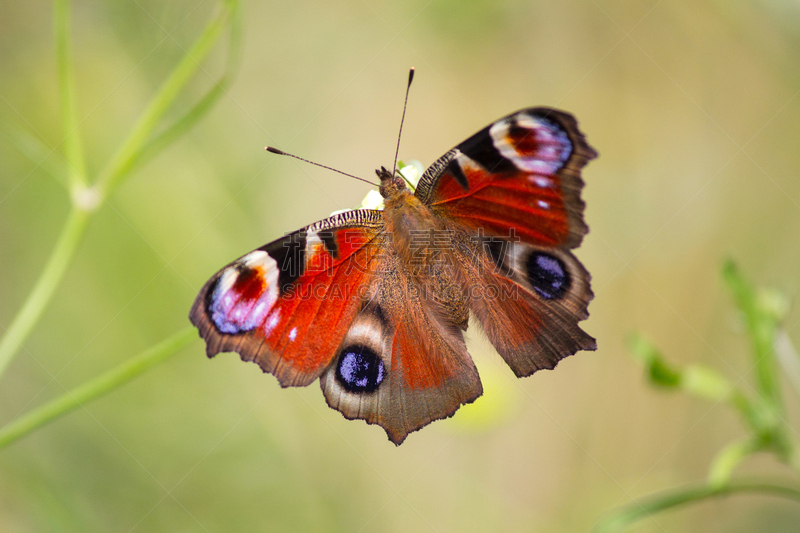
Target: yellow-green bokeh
[(694, 109)]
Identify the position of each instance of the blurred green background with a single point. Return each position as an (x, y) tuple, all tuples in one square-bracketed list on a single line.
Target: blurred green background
[(694, 108)]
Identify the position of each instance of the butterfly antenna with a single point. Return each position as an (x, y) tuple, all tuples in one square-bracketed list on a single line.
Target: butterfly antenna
[(281, 152), (405, 103)]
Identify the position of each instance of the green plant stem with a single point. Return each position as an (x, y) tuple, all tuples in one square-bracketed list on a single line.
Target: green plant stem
[(97, 387), (728, 458), (66, 90), (669, 500), (73, 229), (761, 329), (131, 149), (75, 225), (45, 286), (183, 124)]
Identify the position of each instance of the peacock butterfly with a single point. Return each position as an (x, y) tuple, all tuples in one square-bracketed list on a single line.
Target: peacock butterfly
[(374, 302)]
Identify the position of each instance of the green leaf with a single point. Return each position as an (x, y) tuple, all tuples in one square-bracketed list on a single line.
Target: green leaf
[(657, 368), (706, 383), (761, 318)]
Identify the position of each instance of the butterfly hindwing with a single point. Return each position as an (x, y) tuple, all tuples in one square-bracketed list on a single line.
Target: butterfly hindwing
[(402, 363), (530, 303)]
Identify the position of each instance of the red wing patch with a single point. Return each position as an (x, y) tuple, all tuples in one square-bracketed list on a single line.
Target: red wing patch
[(312, 317), (287, 305), (519, 176)]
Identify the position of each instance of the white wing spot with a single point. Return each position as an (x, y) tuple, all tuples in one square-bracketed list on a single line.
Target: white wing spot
[(272, 321), (312, 241), (293, 334), (543, 204), (542, 182)]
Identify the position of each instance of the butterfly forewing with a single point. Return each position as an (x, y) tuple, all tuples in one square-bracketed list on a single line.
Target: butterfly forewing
[(287, 305), (521, 172)]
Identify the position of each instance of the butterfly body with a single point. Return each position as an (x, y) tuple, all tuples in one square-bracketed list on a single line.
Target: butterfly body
[(374, 303)]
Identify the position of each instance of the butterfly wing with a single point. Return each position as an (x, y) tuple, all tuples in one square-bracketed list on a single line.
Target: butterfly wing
[(287, 305), (402, 364), (514, 189), (521, 172), (529, 302), (333, 300)]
